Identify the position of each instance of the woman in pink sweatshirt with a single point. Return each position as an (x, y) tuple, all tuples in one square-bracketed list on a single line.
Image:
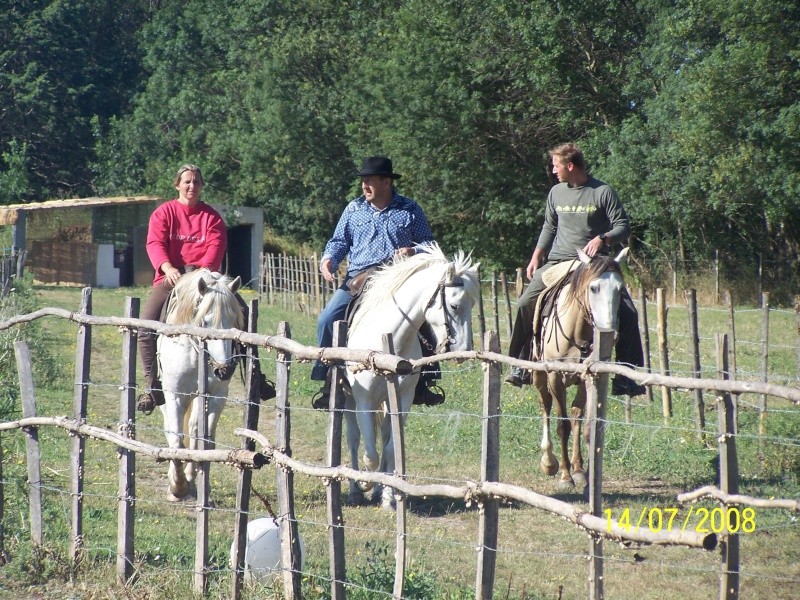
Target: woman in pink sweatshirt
[(183, 234)]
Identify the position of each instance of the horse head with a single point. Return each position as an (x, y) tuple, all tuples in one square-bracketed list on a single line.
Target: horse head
[(601, 283), (213, 303), (449, 311)]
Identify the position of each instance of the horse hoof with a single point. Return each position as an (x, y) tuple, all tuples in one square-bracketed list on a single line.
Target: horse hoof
[(365, 486), (370, 464), (548, 469), (566, 486), (579, 478)]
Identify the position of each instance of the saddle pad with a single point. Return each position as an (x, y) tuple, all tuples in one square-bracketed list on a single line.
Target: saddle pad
[(557, 272), (555, 278)]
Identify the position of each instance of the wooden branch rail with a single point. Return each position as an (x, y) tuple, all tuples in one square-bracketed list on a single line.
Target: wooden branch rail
[(388, 363), (241, 458), (710, 491), (371, 359), (478, 492), (590, 368)]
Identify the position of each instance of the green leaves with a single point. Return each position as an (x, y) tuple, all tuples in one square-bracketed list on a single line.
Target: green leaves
[(690, 110)]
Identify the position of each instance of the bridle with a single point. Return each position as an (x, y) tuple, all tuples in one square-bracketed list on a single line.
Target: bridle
[(447, 339)]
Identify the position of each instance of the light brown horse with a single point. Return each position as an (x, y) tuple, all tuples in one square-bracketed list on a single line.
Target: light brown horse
[(589, 299)]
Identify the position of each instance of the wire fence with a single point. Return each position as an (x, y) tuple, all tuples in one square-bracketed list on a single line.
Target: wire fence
[(561, 550)]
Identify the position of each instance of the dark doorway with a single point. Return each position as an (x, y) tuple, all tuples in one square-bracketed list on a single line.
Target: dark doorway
[(237, 259)]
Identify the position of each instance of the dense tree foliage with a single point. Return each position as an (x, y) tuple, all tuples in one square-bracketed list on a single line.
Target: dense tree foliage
[(690, 109), (65, 66)]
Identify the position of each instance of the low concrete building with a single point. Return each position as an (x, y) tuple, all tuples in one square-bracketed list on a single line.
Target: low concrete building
[(100, 242)]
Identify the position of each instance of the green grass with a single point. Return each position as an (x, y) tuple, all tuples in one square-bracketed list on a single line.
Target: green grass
[(539, 556)]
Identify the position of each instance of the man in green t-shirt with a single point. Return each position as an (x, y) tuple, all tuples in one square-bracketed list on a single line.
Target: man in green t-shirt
[(582, 212)]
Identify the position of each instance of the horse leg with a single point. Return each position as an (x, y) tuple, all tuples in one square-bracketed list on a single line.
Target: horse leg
[(576, 419), (173, 411), (548, 463), (559, 391), (355, 495), (388, 500), (366, 424)]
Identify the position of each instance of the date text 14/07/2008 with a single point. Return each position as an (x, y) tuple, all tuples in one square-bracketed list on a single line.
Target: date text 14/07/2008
[(729, 519)]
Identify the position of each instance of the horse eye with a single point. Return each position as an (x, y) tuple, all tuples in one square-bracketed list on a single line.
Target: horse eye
[(454, 307)]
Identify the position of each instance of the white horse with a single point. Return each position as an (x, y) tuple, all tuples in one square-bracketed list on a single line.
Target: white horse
[(204, 299), (398, 300)]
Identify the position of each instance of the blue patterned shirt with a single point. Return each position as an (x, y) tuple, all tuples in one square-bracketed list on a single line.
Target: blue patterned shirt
[(371, 236)]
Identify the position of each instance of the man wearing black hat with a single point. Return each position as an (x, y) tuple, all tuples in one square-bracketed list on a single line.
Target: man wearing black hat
[(374, 228)]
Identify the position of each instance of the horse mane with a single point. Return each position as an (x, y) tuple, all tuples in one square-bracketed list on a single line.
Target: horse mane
[(188, 307), (388, 279), (585, 273)]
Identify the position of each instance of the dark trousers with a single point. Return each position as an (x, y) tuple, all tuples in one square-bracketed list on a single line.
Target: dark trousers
[(629, 342)]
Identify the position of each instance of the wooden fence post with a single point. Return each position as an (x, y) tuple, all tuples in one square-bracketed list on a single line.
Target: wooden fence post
[(290, 540), (333, 489), (674, 280), (245, 478), (732, 355), (399, 446), (494, 303), (488, 522), (4, 556), (23, 355), (728, 478), (202, 480), (519, 285), (597, 394), (317, 284), (645, 332), (271, 281), (666, 392), (762, 402), (126, 492), (504, 288), (797, 341), (481, 314), (699, 408), (83, 353)]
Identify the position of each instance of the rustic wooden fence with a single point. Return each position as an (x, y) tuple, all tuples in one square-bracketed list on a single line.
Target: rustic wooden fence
[(296, 284), (487, 493)]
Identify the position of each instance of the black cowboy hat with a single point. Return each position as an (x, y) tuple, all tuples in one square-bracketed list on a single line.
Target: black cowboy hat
[(377, 165)]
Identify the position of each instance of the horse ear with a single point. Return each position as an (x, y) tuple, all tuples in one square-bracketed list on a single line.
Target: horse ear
[(202, 286), (622, 257), (450, 274), (584, 258), (234, 285)]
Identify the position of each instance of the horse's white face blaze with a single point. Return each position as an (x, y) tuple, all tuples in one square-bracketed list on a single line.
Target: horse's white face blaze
[(603, 297)]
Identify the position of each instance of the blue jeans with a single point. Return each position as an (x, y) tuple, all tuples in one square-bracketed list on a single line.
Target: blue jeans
[(334, 311)]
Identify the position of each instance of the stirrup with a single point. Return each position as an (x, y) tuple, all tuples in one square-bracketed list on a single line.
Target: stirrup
[(430, 395), (266, 388), (319, 400)]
